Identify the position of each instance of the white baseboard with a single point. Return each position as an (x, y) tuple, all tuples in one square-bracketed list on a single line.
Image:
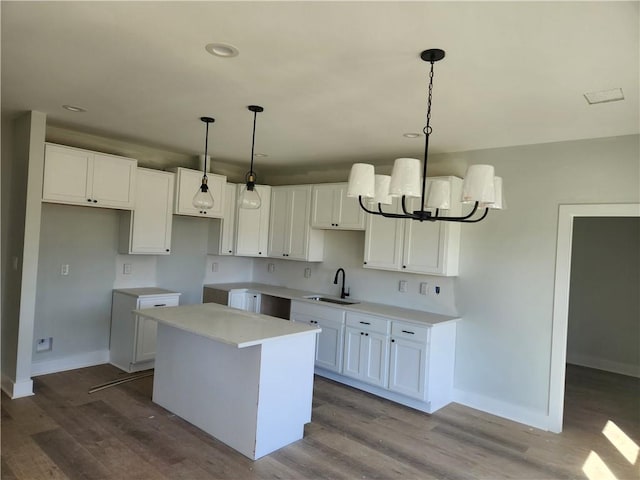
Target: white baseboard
[(516, 413), (16, 389), (71, 362), (604, 364)]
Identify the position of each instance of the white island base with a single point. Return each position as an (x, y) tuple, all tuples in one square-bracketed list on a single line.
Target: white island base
[(256, 398)]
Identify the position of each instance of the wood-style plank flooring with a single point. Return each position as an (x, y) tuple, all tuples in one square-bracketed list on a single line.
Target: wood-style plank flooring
[(63, 432)]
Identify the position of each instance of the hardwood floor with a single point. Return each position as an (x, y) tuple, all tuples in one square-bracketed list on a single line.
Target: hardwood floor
[(65, 433)]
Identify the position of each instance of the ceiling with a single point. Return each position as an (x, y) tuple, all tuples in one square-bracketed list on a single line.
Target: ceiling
[(340, 81)]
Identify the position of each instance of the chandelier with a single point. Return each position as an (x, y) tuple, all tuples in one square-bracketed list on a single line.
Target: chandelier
[(480, 187)]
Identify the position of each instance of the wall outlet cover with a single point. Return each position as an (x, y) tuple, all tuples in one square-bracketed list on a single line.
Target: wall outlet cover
[(403, 286)]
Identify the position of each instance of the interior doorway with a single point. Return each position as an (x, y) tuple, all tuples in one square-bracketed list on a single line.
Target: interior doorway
[(567, 214)]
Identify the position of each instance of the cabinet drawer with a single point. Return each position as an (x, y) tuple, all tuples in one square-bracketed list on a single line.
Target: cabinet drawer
[(169, 301), (410, 332), (318, 311), (368, 322)]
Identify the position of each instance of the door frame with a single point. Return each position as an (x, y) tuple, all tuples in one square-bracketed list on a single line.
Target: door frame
[(560, 319)]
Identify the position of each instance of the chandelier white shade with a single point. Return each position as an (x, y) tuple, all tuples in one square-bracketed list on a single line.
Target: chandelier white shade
[(478, 185), (361, 181), (405, 178), (408, 179), (439, 195), (382, 190)]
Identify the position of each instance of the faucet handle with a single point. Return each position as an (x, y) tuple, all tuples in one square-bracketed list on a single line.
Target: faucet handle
[(346, 294)]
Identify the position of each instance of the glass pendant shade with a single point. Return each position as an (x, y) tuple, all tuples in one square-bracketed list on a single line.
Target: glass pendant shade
[(439, 195), (203, 200), (478, 184), (361, 181), (250, 198), (499, 203), (382, 190), (406, 178)]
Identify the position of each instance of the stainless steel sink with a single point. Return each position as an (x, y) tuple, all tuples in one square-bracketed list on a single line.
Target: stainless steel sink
[(338, 301)]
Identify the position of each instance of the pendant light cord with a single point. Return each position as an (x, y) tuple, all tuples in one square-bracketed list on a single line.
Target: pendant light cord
[(206, 147)]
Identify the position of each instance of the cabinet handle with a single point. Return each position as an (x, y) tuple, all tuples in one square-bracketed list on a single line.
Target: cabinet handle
[(365, 263), (361, 333), (366, 334), (259, 253), (230, 251), (365, 323), (392, 340), (160, 305), (88, 200), (404, 266), (95, 201), (407, 331), (167, 249)]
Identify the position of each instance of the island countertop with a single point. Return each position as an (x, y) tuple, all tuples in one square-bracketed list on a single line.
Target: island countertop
[(227, 325)]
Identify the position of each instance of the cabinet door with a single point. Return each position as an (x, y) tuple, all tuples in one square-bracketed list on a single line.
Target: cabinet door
[(349, 214), (352, 359), (252, 226), (375, 361), (423, 244), (187, 183), (238, 299), (383, 240), (113, 181), (279, 223), (252, 302), (67, 173), (323, 208), (227, 233), (300, 204), (407, 371), (151, 219), (329, 345), (146, 333)]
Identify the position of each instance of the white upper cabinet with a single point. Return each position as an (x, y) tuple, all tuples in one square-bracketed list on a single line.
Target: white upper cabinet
[(147, 229), (222, 233), (187, 183), (252, 226), (332, 209), (81, 177), (290, 233), (417, 247)]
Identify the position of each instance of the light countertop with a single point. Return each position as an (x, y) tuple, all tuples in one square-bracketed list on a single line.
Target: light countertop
[(145, 291), (227, 325), (388, 311)]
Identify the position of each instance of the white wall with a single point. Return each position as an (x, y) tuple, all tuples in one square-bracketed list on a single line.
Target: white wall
[(604, 309), (345, 249), (507, 264)]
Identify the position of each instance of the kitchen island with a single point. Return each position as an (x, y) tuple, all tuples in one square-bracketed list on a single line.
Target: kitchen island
[(244, 378)]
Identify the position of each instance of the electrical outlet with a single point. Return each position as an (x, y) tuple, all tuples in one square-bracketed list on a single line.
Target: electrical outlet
[(424, 288), (307, 272), (214, 267), (127, 268), (64, 270), (403, 286), (436, 290), (271, 267)]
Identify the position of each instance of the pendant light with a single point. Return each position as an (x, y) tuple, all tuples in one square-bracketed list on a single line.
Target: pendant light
[(480, 187), (249, 197), (203, 200)]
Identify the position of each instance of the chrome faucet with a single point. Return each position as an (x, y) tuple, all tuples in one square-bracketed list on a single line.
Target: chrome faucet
[(335, 281)]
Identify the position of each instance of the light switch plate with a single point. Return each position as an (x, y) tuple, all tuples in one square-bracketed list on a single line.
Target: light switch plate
[(403, 286)]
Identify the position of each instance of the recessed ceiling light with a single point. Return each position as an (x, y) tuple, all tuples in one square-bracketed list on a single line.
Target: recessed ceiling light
[(260, 155), (604, 96), (73, 108), (411, 135), (222, 50)]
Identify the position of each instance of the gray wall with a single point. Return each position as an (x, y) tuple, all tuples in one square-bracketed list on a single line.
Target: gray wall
[(604, 303), (75, 309), (507, 266)]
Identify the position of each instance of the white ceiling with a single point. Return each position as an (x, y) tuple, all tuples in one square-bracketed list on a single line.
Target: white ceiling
[(340, 81)]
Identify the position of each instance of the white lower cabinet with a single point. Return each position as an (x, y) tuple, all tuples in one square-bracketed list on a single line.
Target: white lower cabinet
[(408, 360), (409, 363), (243, 299), (132, 345), (329, 342), (366, 348)]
